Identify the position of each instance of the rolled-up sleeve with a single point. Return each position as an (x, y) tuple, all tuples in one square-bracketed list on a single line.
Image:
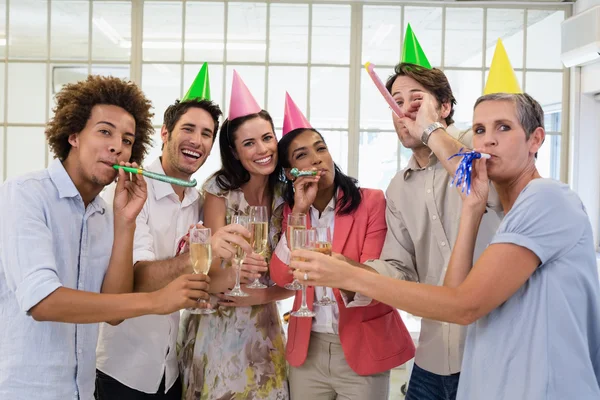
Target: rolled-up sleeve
[(143, 242), (26, 246)]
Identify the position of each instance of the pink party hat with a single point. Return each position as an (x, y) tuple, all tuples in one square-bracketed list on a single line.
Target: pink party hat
[(242, 102), (293, 117)]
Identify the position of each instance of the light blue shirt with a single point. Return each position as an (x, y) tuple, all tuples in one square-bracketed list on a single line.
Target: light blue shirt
[(544, 341), (48, 239)]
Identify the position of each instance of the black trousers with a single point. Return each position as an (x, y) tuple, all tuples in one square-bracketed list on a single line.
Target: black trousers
[(108, 388)]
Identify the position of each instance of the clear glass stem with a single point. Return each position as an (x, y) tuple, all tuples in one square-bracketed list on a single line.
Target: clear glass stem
[(304, 305), (238, 270)]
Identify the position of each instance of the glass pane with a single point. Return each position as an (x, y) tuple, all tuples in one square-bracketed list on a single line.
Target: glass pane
[(162, 31), (380, 146), (329, 97), (2, 155), (25, 150), (111, 30), (505, 24), (405, 155), (253, 77), (162, 85), (545, 87), (215, 74), (28, 21), (375, 113), (426, 22), (247, 32), (548, 161), (119, 71), (70, 29), (61, 75), (337, 143), (26, 93), (2, 101), (466, 86), (292, 80), (464, 35), (204, 31), (2, 34), (288, 33), (156, 150), (330, 34), (543, 27), (381, 35)]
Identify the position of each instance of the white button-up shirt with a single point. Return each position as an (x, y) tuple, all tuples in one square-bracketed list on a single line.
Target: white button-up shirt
[(140, 350)]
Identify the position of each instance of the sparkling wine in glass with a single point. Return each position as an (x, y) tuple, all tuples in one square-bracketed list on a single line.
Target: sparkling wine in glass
[(295, 222), (259, 229), (304, 239), (201, 259), (323, 245), (238, 257)]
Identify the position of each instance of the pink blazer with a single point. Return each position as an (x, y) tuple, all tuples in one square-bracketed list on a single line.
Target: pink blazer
[(374, 338)]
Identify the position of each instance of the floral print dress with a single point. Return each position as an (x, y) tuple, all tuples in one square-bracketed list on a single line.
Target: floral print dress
[(236, 352)]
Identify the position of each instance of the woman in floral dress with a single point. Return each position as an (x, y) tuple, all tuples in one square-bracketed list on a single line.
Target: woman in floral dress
[(239, 351)]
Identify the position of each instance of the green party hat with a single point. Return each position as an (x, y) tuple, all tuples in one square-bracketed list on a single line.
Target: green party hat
[(200, 88), (412, 52)]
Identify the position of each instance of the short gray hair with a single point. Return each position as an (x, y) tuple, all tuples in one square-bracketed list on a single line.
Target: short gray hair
[(529, 111)]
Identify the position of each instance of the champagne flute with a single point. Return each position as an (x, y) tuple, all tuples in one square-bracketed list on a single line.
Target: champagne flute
[(238, 258), (201, 258), (323, 245), (304, 239), (259, 228), (294, 222)]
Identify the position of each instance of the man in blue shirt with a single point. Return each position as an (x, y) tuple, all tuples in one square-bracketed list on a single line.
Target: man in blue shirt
[(61, 272)]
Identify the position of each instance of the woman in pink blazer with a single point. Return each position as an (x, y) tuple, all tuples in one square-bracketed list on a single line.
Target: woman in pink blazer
[(348, 348)]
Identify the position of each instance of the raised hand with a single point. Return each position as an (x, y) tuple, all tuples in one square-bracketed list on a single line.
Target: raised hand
[(420, 114), (130, 195), (480, 187), (305, 192)]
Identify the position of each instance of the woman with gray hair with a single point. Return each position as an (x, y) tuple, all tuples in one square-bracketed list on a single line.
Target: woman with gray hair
[(532, 299)]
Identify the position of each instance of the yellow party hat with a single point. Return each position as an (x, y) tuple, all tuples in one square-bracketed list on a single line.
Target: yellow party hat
[(502, 78)]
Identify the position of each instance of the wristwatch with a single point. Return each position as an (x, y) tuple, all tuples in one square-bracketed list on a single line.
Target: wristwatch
[(429, 130)]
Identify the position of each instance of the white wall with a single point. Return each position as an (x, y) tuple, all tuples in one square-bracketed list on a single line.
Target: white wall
[(585, 129)]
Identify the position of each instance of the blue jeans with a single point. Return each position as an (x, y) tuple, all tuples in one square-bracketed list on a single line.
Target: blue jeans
[(425, 385)]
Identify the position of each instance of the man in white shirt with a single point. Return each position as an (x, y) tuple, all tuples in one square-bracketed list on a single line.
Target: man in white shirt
[(137, 359)]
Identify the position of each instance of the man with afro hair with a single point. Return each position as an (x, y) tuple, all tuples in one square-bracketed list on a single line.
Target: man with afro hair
[(65, 257)]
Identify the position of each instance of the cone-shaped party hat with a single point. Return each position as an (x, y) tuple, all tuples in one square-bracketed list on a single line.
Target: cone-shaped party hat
[(242, 102), (502, 78), (411, 50), (293, 117), (200, 88)]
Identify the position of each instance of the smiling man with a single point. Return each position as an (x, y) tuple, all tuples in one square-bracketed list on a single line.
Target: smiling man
[(137, 359)]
